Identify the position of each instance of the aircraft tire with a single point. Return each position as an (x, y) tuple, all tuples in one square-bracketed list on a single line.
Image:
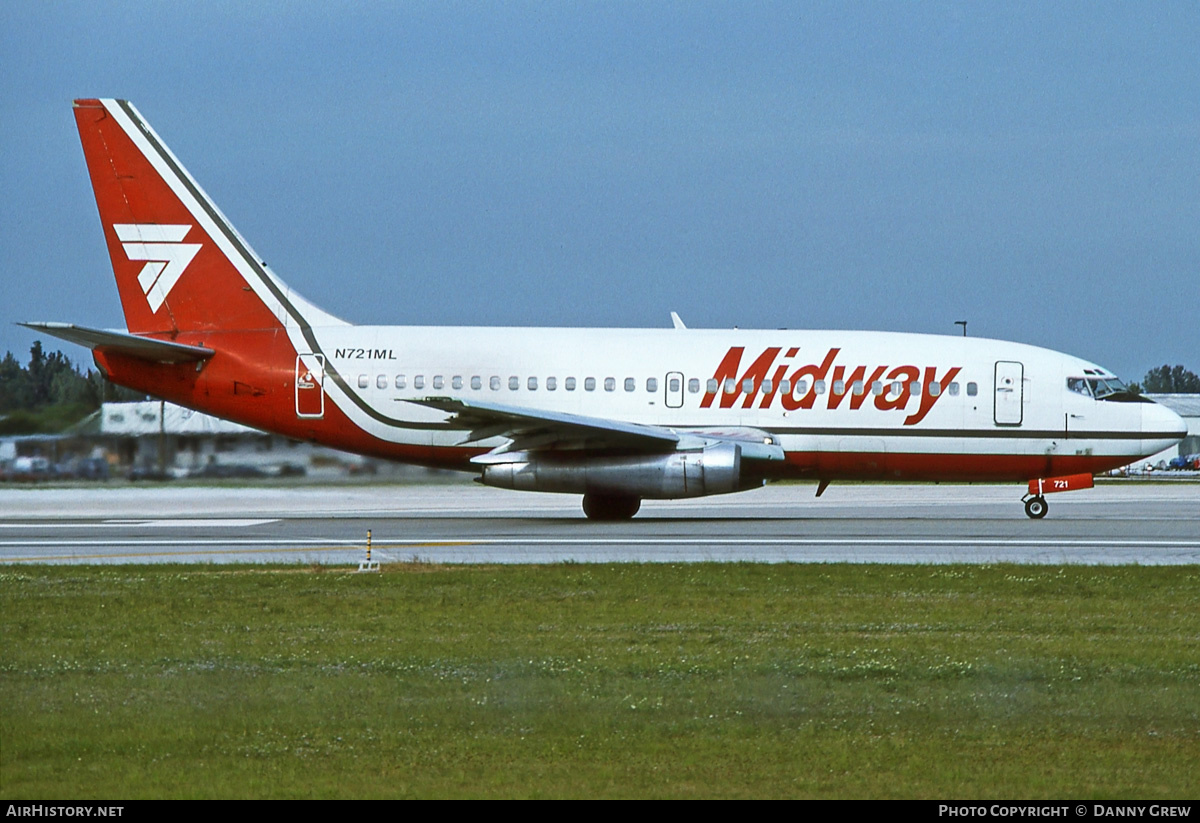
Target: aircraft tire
[(1036, 507), (610, 506)]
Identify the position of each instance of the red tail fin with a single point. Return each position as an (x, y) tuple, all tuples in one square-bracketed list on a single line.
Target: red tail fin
[(180, 266)]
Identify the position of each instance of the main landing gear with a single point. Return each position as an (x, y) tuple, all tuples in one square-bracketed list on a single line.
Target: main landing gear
[(610, 506), (1035, 499)]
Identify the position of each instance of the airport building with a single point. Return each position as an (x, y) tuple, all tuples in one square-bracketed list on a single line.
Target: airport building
[(155, 439), (155, 435)]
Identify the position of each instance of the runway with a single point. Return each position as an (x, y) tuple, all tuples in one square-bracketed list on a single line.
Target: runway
[(1127, 523)]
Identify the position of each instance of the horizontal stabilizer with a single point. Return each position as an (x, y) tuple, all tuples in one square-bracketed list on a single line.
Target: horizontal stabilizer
[(143, 348)]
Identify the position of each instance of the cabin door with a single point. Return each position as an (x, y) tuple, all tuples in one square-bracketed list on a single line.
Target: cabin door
[(310, 386), (1010, 393)]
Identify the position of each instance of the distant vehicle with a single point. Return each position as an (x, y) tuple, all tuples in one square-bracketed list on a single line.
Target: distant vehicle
[(148, 473), (614, 415), (83, 468), (30, 469), (225, 471), (1185, 462)]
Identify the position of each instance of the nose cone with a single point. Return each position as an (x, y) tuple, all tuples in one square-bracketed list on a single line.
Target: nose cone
[(1161, 424)]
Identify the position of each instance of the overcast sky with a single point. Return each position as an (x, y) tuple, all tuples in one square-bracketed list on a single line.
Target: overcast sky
[(1031, 168)]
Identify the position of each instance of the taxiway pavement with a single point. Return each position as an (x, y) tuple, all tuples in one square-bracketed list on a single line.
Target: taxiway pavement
[(1115, 523)]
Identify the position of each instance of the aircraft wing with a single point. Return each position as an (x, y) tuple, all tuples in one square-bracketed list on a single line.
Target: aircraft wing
[(144, 348), (536, 429), (530, 429)]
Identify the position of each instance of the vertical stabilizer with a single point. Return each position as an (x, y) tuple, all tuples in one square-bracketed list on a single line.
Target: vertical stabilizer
[(179, 264)]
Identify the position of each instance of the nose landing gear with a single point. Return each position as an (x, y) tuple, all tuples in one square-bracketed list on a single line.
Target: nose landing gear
[(1036, 507), (1035, 500)]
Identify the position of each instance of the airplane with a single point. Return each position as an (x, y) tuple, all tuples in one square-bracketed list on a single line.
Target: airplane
[(614, 415)]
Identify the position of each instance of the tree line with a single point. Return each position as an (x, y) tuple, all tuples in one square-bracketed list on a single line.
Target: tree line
[(51, 393), (1168, 380)]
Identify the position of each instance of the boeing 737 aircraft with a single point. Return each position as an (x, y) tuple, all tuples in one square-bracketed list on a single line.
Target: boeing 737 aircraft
[(615, 415)]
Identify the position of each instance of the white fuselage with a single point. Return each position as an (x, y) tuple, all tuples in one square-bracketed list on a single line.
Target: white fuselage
[(626, 374)]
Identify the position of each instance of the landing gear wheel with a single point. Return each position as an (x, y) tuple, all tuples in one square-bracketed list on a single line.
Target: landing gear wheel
[(1036, 507), (610, 506)]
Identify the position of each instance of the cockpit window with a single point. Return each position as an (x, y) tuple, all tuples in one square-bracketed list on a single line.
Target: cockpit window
[(1106, 387), (1103, 388)]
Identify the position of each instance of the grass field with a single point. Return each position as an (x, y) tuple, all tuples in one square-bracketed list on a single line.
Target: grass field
[(611, 681)]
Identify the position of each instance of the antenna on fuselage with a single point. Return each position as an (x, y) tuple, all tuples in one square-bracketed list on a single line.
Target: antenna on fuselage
[(962, 323)]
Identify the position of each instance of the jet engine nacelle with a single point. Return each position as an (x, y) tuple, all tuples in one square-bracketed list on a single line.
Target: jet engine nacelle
[(715, 469)]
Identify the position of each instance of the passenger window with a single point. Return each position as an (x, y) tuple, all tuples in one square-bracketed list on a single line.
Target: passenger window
[(477, 382), (972, 389), (610, 384), (694, 385), (419, 381), (859, 388), (494, 383), (839, 386), (514, 383), (381, 381), (438, 381), (363, 381), (531, 383), (952, 390), (570, 384), (748, 385), (400, 381), (935, 388), (652, 384), (630, 384), (551, 383), (819, 387), (914, 387), (730, 385), (896, 388), (766, 386), (785, 386), (876, 388), (589, 384), (711, 385), (456, 382), (801, 387)]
